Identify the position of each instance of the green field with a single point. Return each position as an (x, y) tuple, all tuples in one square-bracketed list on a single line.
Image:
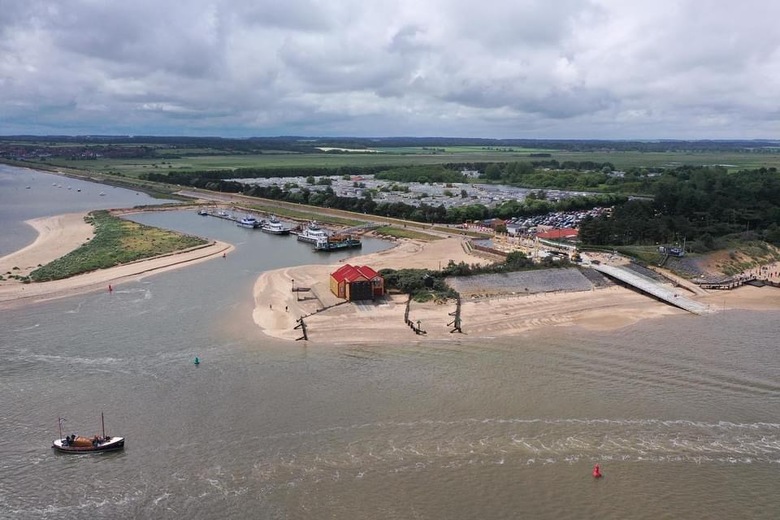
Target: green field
[(185, 160)]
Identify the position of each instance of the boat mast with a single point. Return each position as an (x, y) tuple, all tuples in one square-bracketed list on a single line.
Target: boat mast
[(103, 423), (59, 425)]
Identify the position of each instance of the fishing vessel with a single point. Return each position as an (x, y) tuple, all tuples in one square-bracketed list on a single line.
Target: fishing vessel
[(78, 444)]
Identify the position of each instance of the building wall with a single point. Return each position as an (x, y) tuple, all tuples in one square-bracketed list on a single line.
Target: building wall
[(378, 285), (338, 288)]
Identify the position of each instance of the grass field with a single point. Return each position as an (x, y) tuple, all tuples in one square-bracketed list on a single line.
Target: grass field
[(396, 232), (183, 160)]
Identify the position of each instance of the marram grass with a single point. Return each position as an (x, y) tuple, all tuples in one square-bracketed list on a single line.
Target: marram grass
[(116, 242)]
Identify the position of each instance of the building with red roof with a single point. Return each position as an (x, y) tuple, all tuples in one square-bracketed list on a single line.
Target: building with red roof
[(356, 283), (559, 234)]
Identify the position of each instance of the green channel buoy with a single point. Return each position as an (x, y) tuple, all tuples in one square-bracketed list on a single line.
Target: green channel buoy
[(197, 360)]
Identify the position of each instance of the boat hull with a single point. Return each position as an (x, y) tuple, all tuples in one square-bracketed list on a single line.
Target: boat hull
[(249, 224), (308, 240), (113, 444), (351, 243), (312, 234), (311, 238), (271, 231)]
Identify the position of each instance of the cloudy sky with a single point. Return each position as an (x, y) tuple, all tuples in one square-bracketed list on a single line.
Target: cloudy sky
[(614, 69)]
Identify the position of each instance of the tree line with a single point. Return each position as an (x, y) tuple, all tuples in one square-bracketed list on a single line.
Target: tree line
[(696, 203), (699, 203)]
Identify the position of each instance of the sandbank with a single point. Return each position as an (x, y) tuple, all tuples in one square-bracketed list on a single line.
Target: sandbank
[(57, 236), (62, 234), (277, 306)]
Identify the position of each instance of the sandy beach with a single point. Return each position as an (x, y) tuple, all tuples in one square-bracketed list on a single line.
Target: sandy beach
[(61, 234), (278, 306), (57, 236)]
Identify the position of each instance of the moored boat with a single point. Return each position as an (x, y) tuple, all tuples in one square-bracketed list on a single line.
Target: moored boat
[(79, 444), (275, 227), (338, 242), (249, 222), (312, 233)]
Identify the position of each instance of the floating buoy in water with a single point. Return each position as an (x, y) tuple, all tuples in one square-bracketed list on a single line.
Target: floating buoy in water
[(197, 360), (596, 471)]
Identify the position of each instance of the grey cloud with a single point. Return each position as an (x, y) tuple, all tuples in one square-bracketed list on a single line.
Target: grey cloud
[(185, 42), (296, 15), (556, 103), (520, 23), (341, 67), (408, 39), (575, 67)]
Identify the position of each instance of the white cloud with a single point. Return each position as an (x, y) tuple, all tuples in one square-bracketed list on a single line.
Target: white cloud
[(497, 68)]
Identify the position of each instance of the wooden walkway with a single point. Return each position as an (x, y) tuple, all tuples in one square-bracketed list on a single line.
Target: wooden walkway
[(652, 287)]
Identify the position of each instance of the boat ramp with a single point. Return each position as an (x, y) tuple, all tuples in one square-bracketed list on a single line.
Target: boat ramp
[(651, 287)]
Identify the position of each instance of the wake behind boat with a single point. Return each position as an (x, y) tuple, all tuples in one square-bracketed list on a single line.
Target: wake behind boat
[(79, 444)]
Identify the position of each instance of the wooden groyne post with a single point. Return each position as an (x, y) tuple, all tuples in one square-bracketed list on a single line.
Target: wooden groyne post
[(455, 323), (301, 325), (416, 328)]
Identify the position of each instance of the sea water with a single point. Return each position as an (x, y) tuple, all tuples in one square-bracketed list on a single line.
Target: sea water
[(682, 413)]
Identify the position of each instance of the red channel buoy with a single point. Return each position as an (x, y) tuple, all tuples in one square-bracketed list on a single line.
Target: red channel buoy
[(596, 471)]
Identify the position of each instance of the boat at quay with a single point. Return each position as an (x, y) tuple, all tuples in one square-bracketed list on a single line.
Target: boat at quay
[(312, 233), (249, 222), (337, 243), (275, 227)]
